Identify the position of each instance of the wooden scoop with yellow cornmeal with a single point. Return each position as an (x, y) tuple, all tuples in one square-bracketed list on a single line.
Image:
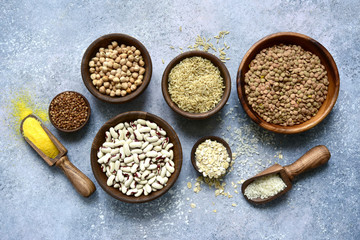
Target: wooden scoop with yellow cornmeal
[(53, 152)]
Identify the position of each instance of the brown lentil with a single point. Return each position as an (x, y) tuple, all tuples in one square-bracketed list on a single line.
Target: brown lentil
[(286, 85), (68, 110)]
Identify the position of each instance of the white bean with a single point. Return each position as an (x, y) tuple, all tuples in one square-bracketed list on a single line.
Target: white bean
[(168, 174), (122, 134), (100, 154), (116, 185), (140, 186), (160, 180), (165, 153), (152, 167), (170, 145), (165, 180), (113, 133), (134, 168), (171, 154), (141, 121), (148, 148), (115, 151), (110, 180), (152, 139), (144, 129), (144, 145), (131, 191), (127, 149), (138, 135), (132, 185), (145, 173), (152, 180), (139, 192), (126, 169), (105, 158), (136, 158), (123, 188), (120, 176), (163, 172), (129, 159), (142, 156), (147, 188), (157, 185), (161, 131), (152, 133), (142, 167), (119, 126), (147, 162), (129, 181), (107, 136), (118, 142), (169, 168), (106, 150), (157, 143), (112, 167), (135, 144), (157, 148), (151, 154), (151, 125)]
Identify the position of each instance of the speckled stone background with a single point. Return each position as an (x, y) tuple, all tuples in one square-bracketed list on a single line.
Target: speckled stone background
[(41, 46)]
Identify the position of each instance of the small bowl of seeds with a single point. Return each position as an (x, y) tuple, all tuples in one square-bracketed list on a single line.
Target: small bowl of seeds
[(288, 82), (116, 68), (211, 156), (69, 111), (196, 84)]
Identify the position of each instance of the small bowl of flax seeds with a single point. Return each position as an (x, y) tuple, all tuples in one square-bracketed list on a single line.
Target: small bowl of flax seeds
[(69, 111)]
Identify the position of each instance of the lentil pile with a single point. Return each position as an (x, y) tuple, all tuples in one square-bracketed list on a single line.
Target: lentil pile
[(286, 85), (212, 159), (68, 110), (195, 85), (117, 70)]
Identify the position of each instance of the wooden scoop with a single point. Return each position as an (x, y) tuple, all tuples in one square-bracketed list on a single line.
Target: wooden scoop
[(313, 158), (79, 180)]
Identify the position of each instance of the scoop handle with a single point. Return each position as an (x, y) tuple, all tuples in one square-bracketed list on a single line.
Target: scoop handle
[(313, 158), (79, 180)]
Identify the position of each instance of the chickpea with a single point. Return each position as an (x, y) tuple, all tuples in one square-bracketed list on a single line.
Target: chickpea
[(99, 83), (133, 87), (123, 93), (131, 80), (93, 76), (106, 84), (107, 91), (112, 93), (128, 90), (118, 86), (118, 92), (114, 44), (124, 68), (130, 58), (141, 63), (118, 60), (124, 86), (136, 68), (116, 80), (92, 70), (94, 82), (137, 52), (102, 60), (123, 79), (135, 75), (105, 78), (123, 56), (140, 77), (123, 61), (116, 66), (138, 82), (129, 64), (92, 63), (102, 89)]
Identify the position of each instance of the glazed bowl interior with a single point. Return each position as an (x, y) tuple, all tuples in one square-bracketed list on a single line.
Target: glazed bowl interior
[(223, 72), (103, 42), (307, 44), (99, 139)]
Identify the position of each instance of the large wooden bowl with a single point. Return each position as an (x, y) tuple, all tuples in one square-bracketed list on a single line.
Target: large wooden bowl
[(104, 41), (308, 44), (224, 74), (99, 139)]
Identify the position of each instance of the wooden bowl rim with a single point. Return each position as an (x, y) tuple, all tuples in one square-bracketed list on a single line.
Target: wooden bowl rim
[(203, 139), (223, 71), (95, 165), (91, 51), (75, 129), (305, 125)]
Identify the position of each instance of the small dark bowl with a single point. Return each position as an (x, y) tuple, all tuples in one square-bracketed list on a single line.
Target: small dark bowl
[(224, 74), (75, 129), (99, 139), (104, 41), (308, 44), (203, 139)]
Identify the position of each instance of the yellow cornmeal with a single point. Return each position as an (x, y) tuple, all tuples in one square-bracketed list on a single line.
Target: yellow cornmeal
[(37, 135), (22, 106)]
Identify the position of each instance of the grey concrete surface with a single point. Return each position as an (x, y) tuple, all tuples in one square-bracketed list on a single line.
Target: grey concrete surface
[(41, 46)]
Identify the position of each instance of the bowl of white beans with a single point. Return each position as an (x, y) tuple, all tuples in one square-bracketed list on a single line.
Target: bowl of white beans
[(136, 157)]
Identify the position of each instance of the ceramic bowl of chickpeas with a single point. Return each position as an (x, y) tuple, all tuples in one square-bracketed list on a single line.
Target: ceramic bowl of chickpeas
[(116, 68)]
